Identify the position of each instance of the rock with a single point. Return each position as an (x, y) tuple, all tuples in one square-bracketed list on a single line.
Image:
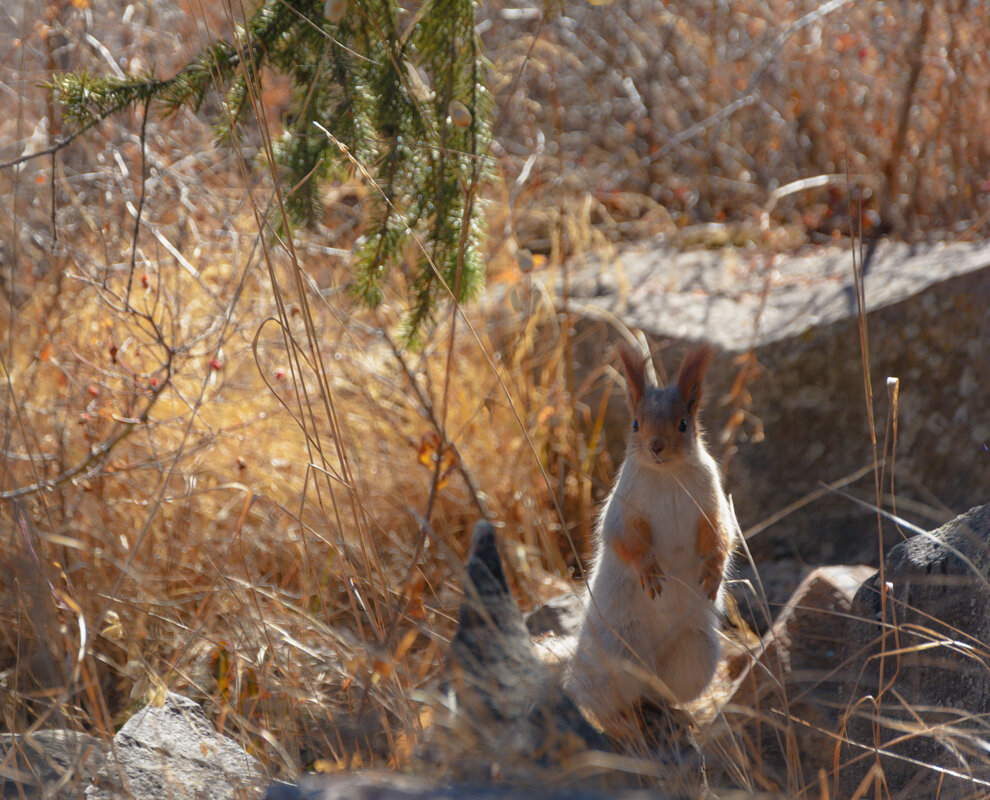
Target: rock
[(559, 616), (392, 786), (761, 594), (168, 751), (808, 633), (509, 708), (554, 627), (928, 325), (922, 653), (173, 751), (56, 764), (785, 701)]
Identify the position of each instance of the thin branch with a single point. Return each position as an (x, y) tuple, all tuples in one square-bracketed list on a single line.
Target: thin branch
[(64, 141), (140, 206), (428, 409), (100, 452)]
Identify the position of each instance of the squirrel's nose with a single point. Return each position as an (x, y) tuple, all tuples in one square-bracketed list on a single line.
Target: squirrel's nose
[(656, 445)]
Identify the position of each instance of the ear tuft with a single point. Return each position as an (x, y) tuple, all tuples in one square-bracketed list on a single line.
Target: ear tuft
[(634, 366), (692, 375)]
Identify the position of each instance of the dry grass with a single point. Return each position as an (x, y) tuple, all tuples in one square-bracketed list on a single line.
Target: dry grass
[(220, 475), (649, 118), (230, 482)]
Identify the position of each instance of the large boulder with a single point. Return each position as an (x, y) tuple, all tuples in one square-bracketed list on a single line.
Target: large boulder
[(927, 324), (917, 694)]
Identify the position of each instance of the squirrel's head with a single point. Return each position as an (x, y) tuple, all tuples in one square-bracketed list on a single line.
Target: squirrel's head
[(665, 424)]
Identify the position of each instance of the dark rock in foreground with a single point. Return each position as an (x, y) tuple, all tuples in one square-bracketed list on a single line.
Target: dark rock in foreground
[(921, 687), (390, 786), (507, 706)]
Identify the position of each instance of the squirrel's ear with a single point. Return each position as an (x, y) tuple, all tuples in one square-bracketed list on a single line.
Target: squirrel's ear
[(634, 365), (692, 375)]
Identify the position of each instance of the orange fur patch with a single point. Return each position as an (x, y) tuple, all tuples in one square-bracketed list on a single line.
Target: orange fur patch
[(713, 548), (634, 545)]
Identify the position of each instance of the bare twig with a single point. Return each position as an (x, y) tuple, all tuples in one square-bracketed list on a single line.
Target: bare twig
[(98, 454), (140, 205)]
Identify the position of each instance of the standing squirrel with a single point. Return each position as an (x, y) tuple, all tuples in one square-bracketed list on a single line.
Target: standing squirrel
[(664, 538)]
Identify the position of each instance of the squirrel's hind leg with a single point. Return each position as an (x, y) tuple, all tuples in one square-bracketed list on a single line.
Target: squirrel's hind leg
[(689, 664)]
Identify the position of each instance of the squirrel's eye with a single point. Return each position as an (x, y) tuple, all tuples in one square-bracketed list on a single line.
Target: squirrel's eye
[(683, 426), (635, 426)]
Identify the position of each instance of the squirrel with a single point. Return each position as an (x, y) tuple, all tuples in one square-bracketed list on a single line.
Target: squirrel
[(663, 542)]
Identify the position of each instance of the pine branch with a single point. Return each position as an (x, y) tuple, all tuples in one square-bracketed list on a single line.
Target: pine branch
[(354, 77)]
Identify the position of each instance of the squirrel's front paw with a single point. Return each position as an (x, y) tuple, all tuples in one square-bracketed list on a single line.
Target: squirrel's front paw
[(652, 579), (711, 576)]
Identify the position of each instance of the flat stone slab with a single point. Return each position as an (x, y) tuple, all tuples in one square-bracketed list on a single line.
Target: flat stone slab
[(719, 294)]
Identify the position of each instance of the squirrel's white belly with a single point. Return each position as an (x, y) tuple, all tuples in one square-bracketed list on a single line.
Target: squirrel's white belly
[(626, 637), (673, 635)]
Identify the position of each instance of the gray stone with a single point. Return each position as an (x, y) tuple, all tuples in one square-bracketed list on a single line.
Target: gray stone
[(928, 324), (559, 616), (508, 708), (762, 593), (173, 752), (921, 684), (784, 706), (54, 764)]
